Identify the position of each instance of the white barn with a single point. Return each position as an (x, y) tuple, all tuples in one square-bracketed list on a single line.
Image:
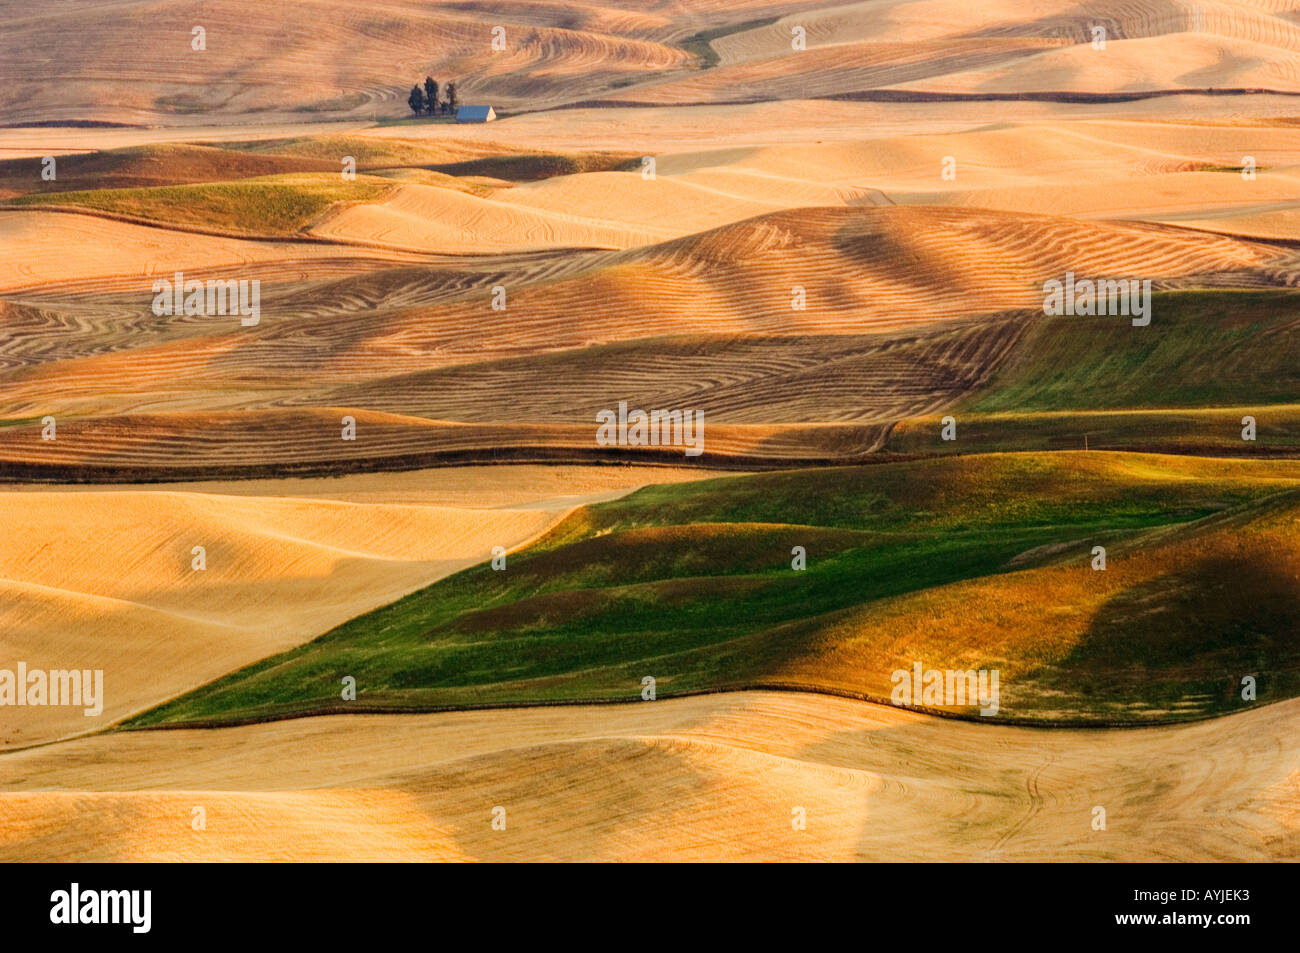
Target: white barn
[(475, 114)]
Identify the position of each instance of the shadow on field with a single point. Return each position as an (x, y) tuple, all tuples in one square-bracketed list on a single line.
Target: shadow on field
[(1184, 641)]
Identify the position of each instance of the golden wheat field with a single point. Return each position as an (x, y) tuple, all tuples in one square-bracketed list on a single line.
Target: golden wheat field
[(692, 779), (300, 384)]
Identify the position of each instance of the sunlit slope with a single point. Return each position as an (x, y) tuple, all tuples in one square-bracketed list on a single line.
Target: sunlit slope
[(419, 216), (713, 778), (149, 166), (997, 48), (107, 579), (309, 442), (301, 59), (422, 147), (1201, 349), (731, 379), (1169, 170), (1094, 168), (135, 64), (1249, 46), (87, 253), (942, 562), (277, 206), (746, 322), (167, 163), (1186, 383)]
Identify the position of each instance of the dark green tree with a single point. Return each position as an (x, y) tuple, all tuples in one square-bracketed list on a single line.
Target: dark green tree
[(451, 98), (415, 100), (430, 95)]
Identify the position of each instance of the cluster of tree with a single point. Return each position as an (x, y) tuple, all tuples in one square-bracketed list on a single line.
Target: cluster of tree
[(426, 100)]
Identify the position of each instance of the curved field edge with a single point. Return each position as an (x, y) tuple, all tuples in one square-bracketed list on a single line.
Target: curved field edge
[(1184, 384), (979, 562), (277, 205), (886, 784)]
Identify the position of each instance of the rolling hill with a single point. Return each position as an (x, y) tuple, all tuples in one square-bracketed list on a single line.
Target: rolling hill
[(804, 335), (825, 225), (694, 779), (941, 562), (105, 578), (137, 63)]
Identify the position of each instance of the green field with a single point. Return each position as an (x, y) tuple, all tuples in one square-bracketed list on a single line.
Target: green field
[(1180, 385), (448, 158), (149, 166), (369, 152), (962, 557), (277, 205), (969, 562), (1216, 432), (1202, 349)]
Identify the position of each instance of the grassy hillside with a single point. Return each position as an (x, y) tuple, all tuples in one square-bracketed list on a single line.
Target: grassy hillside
[(150, 166), (279, 205), (1216, 431), (370, 152), (455, 158), (973, 562), (1202, 349), (536, 166), (1182, 384)]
